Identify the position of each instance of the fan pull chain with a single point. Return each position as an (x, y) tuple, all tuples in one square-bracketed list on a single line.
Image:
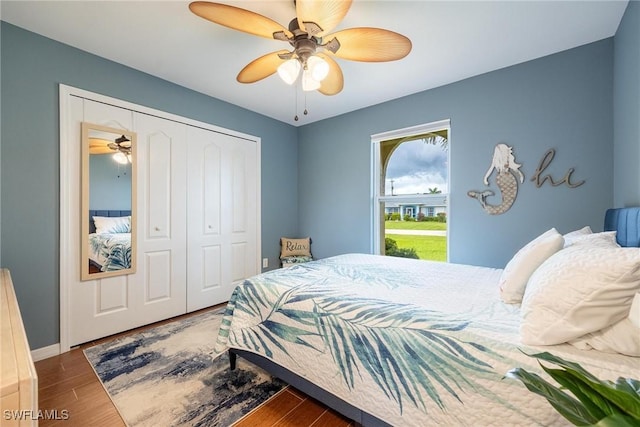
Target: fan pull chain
[(306, 111), (305, 104), (296, 92)]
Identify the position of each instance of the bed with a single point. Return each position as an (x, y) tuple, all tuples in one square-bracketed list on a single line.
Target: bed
[(109, 240), (394, 341)]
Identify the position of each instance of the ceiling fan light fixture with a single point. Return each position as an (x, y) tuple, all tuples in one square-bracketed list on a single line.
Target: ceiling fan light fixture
[(313, 23), (308, 82), (289, 70), (121, 158), (318, 67)]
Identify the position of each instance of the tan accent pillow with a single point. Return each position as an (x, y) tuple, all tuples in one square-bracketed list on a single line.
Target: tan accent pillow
[(295, 247)]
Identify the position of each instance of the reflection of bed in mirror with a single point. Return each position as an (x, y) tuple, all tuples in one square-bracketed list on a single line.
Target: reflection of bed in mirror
[(109, 240)]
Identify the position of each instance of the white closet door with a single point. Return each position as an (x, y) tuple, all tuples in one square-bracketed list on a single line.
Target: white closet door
[(160, 282), (104, 306), (222, 215)]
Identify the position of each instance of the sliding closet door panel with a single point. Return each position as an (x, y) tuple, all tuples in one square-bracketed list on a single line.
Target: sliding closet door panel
[(221, 204), (158, 208), (238, 262), (210, 175), (239, 191), (161, 280), (112, 295), (99, 307), (244, 213), (157, 287), (211, 268), (206, 256), (209, 196)]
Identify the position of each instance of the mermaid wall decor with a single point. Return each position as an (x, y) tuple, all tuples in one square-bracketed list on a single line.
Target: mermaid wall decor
[(507, 176)]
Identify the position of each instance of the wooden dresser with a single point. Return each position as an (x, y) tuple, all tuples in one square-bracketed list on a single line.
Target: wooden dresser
[(19, 381)]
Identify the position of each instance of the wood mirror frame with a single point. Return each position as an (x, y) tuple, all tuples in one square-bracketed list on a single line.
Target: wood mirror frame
[(107, 249)]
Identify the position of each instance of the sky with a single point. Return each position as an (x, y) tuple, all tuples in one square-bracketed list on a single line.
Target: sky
[(416, 166)]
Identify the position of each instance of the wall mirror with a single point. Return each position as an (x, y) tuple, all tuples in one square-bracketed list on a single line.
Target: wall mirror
[(108, 226)]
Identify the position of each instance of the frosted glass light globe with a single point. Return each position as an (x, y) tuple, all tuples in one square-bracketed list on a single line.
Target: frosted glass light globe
[(318, 67), (288, 71)]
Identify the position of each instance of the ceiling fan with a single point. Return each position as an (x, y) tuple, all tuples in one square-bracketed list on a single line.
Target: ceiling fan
[(100, 144), (122, 144), (122, 147), (314, 46)]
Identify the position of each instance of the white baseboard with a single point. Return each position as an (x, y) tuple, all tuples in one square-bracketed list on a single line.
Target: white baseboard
[(45, 352)]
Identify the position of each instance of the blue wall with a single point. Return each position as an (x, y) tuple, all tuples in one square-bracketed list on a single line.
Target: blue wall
[(563, 101), (32, 69), (626, 134), (110, 183)]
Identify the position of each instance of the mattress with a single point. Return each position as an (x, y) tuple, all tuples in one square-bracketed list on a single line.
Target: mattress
[(410, 342)]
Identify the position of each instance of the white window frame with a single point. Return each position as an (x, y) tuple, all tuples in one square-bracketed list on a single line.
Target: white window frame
[(377, 199)]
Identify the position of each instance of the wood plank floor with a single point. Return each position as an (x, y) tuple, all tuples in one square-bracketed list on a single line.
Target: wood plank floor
[(70, 391)]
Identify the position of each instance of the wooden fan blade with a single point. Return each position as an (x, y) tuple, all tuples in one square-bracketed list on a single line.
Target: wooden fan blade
[(99, 146), (261, 67), (238, 19), (334, 82), (326, 14), (370, 44)]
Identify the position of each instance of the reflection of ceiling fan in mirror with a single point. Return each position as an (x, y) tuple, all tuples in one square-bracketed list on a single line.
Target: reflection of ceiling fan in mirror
[(314, 47), (120, 148)]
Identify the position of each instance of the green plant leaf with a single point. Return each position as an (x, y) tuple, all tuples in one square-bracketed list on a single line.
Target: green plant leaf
[(569, 407), (597, 406), (628, 384), (564, 363), (617, 420), (624, 396)]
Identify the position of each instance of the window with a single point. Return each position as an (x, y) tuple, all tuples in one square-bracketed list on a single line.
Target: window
[(410, 185)]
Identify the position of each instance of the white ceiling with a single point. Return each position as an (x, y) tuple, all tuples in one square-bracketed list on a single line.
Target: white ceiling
[(452, 40)]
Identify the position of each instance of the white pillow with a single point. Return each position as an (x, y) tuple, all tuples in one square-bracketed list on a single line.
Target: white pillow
[(622, 337), (605, 239), (518, 270), (107, 224), (577, 291), (570, 237)]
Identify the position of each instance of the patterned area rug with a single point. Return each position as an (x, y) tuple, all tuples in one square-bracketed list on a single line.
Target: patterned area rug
[(166, 376)]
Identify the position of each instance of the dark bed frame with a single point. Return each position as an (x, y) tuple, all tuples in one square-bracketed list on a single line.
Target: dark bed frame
[(310, 389), (626, 221)]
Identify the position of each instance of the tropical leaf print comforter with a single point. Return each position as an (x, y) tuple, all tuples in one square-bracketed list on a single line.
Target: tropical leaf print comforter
[(410, 342), (110, 251)]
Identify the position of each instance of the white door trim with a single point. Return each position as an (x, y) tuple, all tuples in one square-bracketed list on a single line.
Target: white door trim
[(70, 182)]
